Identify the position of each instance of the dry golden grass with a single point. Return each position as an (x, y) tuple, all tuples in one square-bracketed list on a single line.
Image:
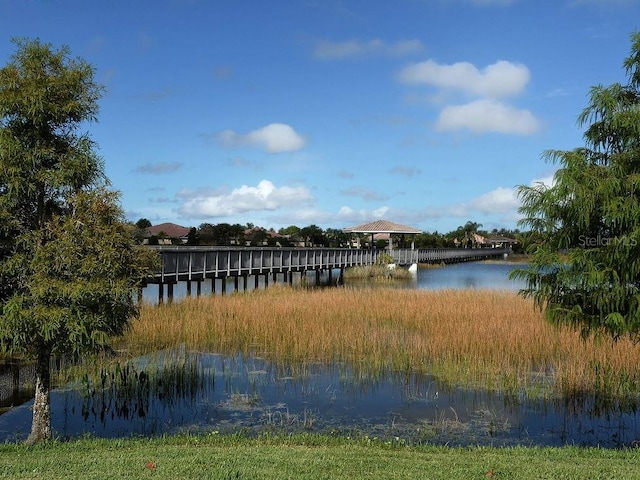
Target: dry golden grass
[(482, 338)]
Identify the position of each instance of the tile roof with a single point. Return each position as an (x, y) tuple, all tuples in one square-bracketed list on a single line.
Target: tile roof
[(382, 226), (170, 229)]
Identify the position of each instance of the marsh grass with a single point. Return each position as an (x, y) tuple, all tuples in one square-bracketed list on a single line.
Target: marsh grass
[(378, 273), (469, 338)]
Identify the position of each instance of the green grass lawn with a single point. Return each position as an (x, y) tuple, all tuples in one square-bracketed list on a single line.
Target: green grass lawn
[(304, 457)]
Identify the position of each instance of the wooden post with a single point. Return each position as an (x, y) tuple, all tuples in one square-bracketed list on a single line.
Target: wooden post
[(170, 292), (161, 293)]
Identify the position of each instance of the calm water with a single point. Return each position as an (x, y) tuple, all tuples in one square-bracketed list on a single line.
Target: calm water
[(493, 275), (460, 275), (233, 393)]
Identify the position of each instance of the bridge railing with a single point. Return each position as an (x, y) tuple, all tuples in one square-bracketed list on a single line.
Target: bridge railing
[(180, 263), (446, 255)]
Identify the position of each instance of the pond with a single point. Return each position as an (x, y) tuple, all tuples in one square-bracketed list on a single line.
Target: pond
[(214, 393), (493, 275), (221, 394)]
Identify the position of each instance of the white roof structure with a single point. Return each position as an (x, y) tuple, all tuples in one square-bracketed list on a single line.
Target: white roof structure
[(382, 226)]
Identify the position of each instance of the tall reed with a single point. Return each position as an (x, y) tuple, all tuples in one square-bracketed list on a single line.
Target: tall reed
[(477, 338)]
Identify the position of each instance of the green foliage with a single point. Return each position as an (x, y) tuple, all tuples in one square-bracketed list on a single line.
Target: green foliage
[(66, 262), (384, 259), (78, 288), (585, 263), (68, 268), (143, 223)]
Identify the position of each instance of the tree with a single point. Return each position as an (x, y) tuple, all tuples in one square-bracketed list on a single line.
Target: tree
[(466, 235), (68, 267), (143, 223), (206, 234), (336, 238), (192, 238), (585, 263), (313, 235)]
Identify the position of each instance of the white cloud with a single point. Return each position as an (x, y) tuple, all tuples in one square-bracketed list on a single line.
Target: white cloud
[(498, 80), (328, 50), (549, 181), (347, 214), (499, 200), (273, 138), (263, 197), (486, 115)]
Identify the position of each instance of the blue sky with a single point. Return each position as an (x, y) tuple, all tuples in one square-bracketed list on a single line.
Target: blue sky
[(333, 112)]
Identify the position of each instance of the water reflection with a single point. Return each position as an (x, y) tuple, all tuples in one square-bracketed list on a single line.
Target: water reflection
[(230, 394), (493, 275)]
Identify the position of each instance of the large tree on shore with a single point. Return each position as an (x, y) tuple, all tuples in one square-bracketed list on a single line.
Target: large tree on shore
[(585, 264), (68, 267)]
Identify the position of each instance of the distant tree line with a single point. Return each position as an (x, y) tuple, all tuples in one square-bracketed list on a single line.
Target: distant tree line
[(250, 235)]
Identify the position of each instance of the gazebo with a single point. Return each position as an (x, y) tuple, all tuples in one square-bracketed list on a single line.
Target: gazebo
[(383, 226)]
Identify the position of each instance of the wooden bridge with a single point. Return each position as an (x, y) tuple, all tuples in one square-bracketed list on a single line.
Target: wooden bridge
[(262, 265), (446, 255)]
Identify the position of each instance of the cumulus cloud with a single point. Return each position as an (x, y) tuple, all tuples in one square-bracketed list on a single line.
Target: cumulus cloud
[(273, 138), (548, 180), (327, 50), (498, 80), (488, 88), (263, 197), (499, 200), (349, 214), (485, 115)]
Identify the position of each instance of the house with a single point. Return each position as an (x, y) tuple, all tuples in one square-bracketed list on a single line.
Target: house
[(166, 233), (498, 241)]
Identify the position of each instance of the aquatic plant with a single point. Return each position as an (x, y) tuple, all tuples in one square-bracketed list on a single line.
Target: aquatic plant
[(469, 338), (126, 389)]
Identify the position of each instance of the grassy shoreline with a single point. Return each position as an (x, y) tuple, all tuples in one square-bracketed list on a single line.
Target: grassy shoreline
[(304, 456), (490, 338)]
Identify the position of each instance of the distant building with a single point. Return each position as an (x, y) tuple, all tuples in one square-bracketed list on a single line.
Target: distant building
[(167, 233), (498, 241)]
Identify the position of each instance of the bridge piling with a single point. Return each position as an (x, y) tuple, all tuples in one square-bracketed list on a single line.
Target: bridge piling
[(187, 264)]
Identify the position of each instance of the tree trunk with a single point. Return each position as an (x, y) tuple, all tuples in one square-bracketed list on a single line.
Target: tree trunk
[(41, 425)]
